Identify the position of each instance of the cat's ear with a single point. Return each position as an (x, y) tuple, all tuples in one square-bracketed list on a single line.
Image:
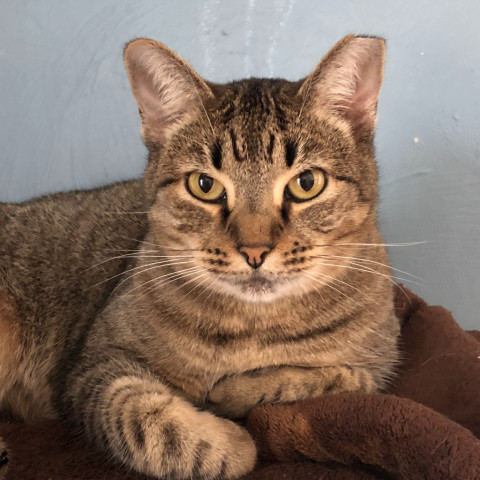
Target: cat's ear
[(168, 91), (347, 82)]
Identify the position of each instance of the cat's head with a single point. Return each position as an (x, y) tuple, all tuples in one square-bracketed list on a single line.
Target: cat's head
[(254, 180)]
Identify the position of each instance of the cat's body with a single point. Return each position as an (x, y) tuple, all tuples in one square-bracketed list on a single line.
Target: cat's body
[(235, 289), (49, 294)]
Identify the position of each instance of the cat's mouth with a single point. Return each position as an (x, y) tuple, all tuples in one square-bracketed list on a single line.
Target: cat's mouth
[(256, 288), (257, 284)]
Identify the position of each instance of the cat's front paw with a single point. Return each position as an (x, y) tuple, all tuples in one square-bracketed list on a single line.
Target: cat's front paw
[(204, 447), (237, 449), (232, 397), (189, 444), (157, 433)]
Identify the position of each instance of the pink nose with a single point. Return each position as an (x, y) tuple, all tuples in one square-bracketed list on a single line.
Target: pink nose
[(255, 255)]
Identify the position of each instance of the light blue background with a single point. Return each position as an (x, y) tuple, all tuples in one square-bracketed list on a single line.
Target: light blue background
[(68, 120)]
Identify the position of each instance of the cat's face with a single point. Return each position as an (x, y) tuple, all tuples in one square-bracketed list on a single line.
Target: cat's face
[(252, 183)]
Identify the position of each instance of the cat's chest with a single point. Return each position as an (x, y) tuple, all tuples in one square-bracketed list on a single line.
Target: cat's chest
[(195, 355), (195, 363)]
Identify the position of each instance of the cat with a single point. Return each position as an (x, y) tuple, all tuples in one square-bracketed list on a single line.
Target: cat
[(245, 267)]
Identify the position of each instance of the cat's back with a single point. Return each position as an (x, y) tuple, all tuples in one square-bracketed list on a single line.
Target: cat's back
[(50, 246)]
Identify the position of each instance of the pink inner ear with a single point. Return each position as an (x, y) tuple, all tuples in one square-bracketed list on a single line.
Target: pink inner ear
[(156, 97), (148, 100), (163, 88), (347, 82), (361, 107)]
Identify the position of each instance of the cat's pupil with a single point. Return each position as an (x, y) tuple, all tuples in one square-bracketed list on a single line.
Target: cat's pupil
[(306, 180), (205, 183)]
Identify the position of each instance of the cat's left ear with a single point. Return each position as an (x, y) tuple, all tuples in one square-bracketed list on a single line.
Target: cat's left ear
[(347, 82), (168, 91)]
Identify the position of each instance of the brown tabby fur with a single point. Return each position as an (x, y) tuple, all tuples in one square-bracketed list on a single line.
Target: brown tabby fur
[(130, 310)]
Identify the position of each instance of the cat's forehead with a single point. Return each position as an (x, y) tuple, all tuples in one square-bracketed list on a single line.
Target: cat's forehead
[(246, 103), (260, 122)]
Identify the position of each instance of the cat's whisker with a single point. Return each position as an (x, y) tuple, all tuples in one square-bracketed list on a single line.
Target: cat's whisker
[(406, 244), (142, 268), (308, 292), (129, 255), (319, 290), (337, 280), (134, 250), (365, 307), (155, 286), (360, 268), (126, 213), (143, 271), (216, 279), (205, 289), (370, 270), (162, 280), (164, 247), (209, 287), (196, 286), (369, 261), (326, 284), (149, 254), (144, 253), (391, 277)]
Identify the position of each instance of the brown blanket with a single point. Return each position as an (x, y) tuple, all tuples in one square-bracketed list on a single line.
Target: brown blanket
[(426, 427)]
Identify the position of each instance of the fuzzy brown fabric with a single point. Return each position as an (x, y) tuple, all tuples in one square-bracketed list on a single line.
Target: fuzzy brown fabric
[(3, 459), (426, 427)]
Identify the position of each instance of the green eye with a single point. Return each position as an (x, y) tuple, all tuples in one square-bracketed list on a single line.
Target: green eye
[(205, 187), (307, 185)]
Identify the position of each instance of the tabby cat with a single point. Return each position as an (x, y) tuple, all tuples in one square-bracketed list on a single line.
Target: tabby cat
[(246, 267)]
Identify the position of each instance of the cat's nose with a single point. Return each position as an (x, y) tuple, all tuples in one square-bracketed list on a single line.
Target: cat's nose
[(254, 255)]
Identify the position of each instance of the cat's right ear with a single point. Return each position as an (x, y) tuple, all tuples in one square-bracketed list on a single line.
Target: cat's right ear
[(168, 91)]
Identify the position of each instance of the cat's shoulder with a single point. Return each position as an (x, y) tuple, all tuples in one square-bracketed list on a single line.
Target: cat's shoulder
[(116, 195)]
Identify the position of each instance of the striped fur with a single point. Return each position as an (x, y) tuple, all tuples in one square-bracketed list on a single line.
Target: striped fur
[(131, 311)]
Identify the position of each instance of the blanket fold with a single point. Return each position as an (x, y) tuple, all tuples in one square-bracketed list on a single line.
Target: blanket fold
[(398, 435), (425, 427)]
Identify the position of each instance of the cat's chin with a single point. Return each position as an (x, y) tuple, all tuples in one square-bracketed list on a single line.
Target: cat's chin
[(256, 289)]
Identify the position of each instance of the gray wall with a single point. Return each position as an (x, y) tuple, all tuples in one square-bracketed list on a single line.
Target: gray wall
[(67, 119)]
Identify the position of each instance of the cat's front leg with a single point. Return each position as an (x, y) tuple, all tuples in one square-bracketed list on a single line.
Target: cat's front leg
[(233, 396), (148, 427)]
